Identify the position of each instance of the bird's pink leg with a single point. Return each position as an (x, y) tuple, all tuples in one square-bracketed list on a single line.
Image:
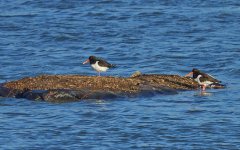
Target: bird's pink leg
[(204, 87)]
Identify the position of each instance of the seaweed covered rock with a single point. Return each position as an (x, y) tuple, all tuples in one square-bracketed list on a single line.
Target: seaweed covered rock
[(59, 88)]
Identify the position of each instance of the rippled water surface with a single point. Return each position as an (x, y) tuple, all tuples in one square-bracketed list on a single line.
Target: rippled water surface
[(167, 36)]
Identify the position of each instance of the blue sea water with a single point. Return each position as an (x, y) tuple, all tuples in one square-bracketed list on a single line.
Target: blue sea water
[(152, 36)]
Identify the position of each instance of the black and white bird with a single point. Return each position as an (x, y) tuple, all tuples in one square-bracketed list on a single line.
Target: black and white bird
[(99, 64), (204, 79)]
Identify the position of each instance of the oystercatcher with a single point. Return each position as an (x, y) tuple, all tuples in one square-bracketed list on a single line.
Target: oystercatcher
[(204, 79), (99, 64)]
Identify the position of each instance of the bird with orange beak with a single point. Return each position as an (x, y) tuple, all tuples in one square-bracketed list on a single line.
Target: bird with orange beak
[(98, 64), (203, 79)]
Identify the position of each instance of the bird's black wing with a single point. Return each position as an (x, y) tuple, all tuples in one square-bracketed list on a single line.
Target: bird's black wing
[(102, 62), (210, 78)]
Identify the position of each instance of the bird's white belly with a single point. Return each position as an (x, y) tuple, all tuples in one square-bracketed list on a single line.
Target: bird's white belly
[(207, 82), (99, 68)]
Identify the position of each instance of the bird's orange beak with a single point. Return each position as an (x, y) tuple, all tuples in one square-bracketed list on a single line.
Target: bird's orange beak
[(86, 61), (189, 74)]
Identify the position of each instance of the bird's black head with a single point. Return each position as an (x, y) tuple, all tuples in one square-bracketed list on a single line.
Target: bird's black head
[(196, 72), (92, 59)]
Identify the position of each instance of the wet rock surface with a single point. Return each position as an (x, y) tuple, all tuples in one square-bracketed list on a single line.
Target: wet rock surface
[(62, 88)]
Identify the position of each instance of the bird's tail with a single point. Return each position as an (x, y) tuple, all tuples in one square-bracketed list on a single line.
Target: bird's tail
[(113, 66), (217, 86)]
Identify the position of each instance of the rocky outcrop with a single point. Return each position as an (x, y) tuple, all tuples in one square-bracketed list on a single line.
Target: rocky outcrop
[(62, 88)]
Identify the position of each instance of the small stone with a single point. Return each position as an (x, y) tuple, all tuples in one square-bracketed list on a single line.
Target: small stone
[(136, 74)]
